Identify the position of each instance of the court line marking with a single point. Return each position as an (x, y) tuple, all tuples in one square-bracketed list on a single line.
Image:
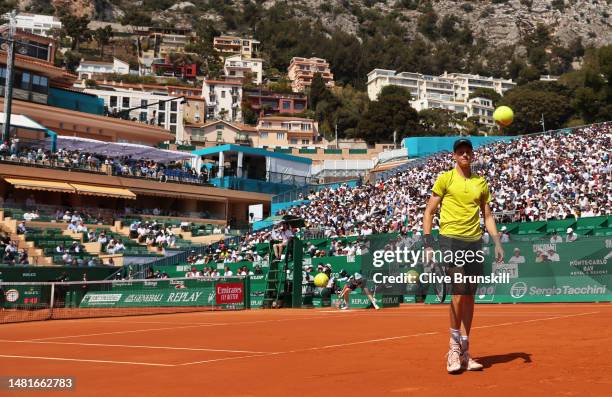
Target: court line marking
[(381, 339), (133, 346), (181, 327), (295, 350), (87, 361)]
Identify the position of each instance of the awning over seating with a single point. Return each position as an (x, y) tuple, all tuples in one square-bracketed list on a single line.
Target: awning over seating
[(117, 149), (103, 191), (40, 185)]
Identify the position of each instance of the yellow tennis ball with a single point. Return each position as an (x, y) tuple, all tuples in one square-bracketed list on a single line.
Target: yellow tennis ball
[(503, 115), (412, 276), (321, 280)]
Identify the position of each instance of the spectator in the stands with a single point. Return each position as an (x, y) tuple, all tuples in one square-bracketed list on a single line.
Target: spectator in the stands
[(60, 248), (110, 247), (119, 247), (21, 228), (228, 272), (571, 235), (31, 216), (555, 238), (67, 258), (75, 248), (102, 239), (10, 251), (72, 227), (22, 257), (67, 217), (81, 228), (504, 236)]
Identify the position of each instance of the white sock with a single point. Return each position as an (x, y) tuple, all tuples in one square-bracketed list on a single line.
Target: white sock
[(455, 335), (465, 343)]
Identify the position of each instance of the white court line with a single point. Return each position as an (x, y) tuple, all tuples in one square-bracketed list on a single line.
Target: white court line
[(382, 339), (297, 350), (133, 346), (123, 332), (88, 361), (182, 327)]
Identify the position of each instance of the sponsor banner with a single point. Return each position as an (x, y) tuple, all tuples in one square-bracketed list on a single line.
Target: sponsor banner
[(21, 295), (143, 298), (580, 271), (229, 293)]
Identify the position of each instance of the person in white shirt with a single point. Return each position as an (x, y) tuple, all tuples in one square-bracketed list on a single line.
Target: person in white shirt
[(571, 236), (284, 234), (504, 236), (72, 227), (119, 247), (555, 238), (228, 272), (517, 257), (81, 228)]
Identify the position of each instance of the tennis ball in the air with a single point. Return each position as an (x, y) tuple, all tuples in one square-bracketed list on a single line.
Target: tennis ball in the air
[(321, 280), (503, 115), (412, 276)]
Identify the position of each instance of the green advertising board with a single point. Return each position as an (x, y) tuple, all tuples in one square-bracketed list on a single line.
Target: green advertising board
[(579, 271)]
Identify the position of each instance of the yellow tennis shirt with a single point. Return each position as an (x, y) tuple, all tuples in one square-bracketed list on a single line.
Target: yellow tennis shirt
[(461, 199)]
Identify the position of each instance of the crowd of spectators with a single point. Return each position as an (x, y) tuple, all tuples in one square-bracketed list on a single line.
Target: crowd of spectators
[(153, 234), (541, 177), (121, 166)]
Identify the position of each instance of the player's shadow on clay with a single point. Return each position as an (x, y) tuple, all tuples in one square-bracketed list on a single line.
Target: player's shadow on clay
[(488, 361)]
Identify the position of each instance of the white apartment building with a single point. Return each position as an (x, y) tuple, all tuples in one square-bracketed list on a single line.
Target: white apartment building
[(475, 107), (41, 25), (150, 107), (91, 69), (449, 91), (223, 100), (454, 86), (248, 48), (236, 66)]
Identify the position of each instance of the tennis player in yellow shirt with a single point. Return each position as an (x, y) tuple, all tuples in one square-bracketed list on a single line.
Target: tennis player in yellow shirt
[(463, 197)]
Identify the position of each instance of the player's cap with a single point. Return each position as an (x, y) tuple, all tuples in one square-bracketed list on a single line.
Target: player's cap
[(358, 276), (569, 230), (461, 142)]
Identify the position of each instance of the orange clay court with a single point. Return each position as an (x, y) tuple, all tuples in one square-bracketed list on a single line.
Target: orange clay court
[(539, 349)]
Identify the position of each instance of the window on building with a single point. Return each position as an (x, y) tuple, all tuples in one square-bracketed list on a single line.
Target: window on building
[(144, 103), (263, 135), (173, 106), (305, 142), (173, 128), (219, 126), (40, 84), (219, 136), (25, 81), (286, 105), (293, 141), (143, 117), (161, 105), (223, 94), (234, 113), (161, 118), (280, 136), (298, 106), (173, 118), (113, 102), (125, 102)]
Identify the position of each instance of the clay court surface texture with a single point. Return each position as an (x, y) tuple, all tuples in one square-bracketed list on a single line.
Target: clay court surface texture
[(527, 350)]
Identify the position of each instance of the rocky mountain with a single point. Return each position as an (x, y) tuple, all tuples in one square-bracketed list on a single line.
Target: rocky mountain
[(500, 22)]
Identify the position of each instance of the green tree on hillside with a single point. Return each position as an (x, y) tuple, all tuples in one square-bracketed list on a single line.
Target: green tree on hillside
[(391, 112)]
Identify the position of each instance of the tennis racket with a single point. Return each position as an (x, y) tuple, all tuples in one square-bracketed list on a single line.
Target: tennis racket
[(440, 288)]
